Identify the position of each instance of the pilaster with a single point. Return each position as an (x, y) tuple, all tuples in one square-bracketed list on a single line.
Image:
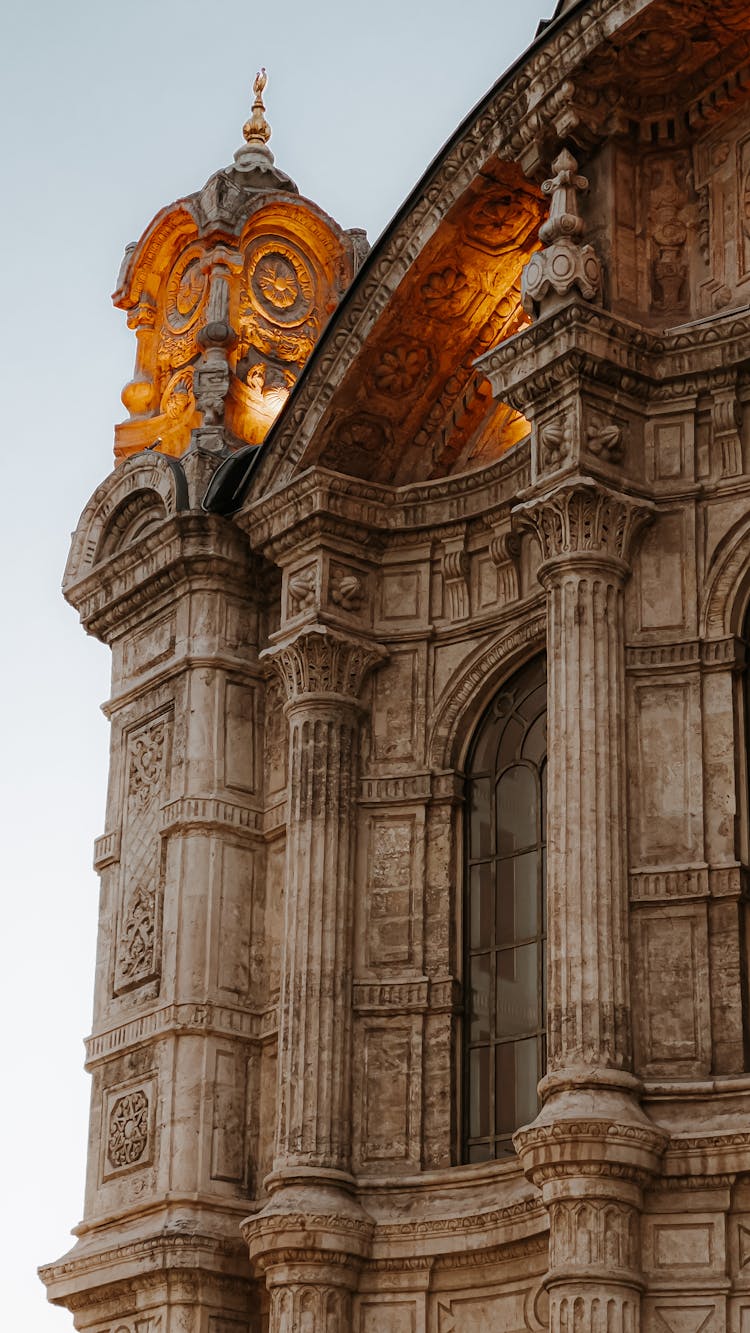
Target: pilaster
[(175, 1047), (311, 1236), (591, 1149)]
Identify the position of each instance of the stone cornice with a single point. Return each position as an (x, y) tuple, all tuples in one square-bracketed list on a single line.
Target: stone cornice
[(318, 503), (135, 582), (229, 1021), (80, 1280), (585, 342)]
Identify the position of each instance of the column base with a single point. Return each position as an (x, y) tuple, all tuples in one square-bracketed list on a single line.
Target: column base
[(309, 1241)]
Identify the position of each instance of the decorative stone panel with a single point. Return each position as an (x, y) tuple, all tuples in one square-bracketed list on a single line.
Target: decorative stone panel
[(128, 1128), (146, 766)]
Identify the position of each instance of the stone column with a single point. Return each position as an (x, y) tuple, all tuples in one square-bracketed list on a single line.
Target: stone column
[(591, 1149), (312, 1234)]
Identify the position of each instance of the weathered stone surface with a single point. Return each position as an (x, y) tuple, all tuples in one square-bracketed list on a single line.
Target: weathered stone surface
[(290, 880)]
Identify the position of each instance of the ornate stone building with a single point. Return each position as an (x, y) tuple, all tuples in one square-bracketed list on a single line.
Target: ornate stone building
[(498, 529)]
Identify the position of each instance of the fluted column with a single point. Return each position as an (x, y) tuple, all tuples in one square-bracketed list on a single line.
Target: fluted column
[(591, 1149), (585, 531), (311, 1236)]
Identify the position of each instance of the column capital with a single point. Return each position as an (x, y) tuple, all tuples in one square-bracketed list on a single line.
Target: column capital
[(320, 664), (582, 517)]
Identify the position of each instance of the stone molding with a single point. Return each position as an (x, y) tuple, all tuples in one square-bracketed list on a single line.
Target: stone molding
[(145, 485), (475, 679), (149, 1257), (582, 341), (141, 579), (725, 592), (407, 996), (319, 503), (206, 1017), (206, 812)]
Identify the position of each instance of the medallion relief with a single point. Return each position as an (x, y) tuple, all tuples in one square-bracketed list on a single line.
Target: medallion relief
[(128, 1130), (186, 288)]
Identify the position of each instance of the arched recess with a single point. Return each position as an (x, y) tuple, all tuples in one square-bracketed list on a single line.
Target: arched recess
[(504, 936), (146, 488), (470, 689), (727, 584)]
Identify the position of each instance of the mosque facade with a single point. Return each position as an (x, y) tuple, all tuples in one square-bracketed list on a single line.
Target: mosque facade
[(421, 997)]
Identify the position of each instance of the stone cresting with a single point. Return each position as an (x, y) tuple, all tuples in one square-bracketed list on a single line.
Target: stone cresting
[(281, 1000)]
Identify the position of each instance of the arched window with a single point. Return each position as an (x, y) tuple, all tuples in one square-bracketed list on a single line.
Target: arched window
[(505, 918)]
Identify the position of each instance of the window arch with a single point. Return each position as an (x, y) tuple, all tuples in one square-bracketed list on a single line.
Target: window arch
[(505, 916)]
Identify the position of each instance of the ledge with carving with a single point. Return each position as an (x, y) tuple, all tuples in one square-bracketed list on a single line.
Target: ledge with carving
[(232, 1022), (331, 504), (97, 1271), (584, 342), (145, 575), (487, 1211)]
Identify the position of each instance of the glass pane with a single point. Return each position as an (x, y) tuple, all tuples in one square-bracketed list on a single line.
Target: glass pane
[(481, 886), (535, 745), (479, 1093), (517, 991), (485, 747), (516, 810), (480, 830), (516, 1080), (510, 743), (480, 1152), (480, 984), (517, 908), (535, 703)]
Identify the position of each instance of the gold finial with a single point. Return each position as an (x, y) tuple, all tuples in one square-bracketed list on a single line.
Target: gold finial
[(257, 129)]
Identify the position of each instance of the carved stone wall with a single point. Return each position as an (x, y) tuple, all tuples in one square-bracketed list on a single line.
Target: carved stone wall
[(280, 1000)]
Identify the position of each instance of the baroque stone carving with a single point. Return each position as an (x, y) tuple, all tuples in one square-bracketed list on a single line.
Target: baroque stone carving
[(320, 661), (555, 438), (303, 586), (128, 1131), (565, 264), (604, 438), (346, 589), (137, 934), (401, 368), (581, 516), (668, 233)]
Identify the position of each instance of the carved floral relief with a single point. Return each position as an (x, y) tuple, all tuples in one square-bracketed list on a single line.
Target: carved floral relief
[(137, 948), (128, 1129)]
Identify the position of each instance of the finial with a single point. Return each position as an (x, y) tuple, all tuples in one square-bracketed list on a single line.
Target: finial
[(257, 130), (565, 265)]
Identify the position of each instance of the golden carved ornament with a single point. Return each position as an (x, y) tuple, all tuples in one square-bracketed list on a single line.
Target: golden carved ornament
[(257, 128)]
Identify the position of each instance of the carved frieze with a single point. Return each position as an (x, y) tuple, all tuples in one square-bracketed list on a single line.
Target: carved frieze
[(137, 951)]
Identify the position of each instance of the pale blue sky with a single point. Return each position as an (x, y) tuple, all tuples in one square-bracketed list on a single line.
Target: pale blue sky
[(108, 112)]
